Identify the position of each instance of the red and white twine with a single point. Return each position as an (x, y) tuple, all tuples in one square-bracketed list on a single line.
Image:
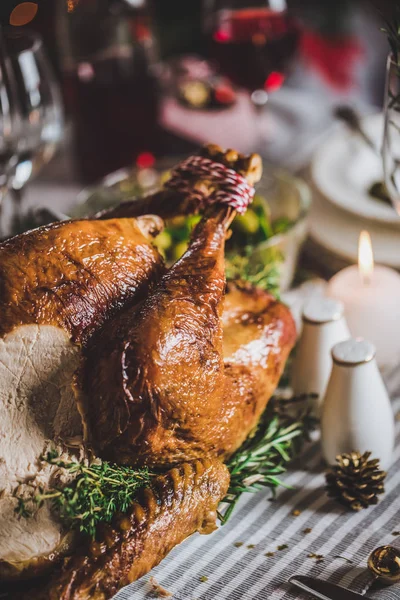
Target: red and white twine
[(231, 187)]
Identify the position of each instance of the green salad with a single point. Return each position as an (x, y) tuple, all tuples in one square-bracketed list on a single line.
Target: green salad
[(248, 232)]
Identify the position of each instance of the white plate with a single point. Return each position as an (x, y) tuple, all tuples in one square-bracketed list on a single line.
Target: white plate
[(338, 232), (344, 168)]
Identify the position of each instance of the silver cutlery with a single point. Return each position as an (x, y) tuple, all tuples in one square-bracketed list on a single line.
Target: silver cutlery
[(350, 117), (383, 563), (323, 589)]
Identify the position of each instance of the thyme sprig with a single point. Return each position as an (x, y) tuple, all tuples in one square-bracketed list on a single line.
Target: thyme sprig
[(101, 489), (97, 492), (265, 454)]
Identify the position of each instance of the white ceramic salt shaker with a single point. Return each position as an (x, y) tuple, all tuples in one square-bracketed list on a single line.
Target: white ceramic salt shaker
[(356, 411), (323, 327)]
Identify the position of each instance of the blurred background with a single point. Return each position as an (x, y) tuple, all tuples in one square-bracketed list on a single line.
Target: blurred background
[(102, 85), (133, 71)]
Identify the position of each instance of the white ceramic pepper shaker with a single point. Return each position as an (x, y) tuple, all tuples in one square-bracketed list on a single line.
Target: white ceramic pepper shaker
[(356, 411), (323, 327)]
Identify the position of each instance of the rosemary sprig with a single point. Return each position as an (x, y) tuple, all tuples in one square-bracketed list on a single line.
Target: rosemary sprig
[(392, 30), (98, 491), (265, 455)]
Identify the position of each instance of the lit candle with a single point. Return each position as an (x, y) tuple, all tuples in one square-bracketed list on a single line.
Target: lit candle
[(371, 298)]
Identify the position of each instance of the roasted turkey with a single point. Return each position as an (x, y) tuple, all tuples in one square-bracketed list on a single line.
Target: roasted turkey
[(104, 350)]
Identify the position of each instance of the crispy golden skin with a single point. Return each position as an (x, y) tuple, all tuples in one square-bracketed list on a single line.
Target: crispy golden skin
[(258, 335), (158, 378), (182, 501), (156, 388), (75, 274)]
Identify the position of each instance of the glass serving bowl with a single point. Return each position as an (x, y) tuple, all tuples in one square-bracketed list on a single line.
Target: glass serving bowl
[(288, 198), (284, 202)]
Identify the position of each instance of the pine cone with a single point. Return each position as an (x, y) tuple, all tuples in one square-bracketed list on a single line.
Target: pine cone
[(355, 481)]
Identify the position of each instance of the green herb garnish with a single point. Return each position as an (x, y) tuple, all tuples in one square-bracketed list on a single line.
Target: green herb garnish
[(97, 492), (101, 489), (22, 509), (242, 267), (266, 453)]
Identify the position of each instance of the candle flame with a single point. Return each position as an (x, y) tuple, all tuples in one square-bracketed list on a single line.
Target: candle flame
[(365, 257)]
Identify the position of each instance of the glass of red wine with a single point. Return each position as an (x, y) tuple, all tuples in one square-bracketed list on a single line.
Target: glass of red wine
[(253, 42), (110, 84)]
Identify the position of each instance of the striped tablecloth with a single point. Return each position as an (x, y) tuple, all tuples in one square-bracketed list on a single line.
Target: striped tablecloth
[(252, 557)]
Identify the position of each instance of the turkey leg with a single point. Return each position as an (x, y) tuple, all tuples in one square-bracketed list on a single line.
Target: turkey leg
[(153, 385)]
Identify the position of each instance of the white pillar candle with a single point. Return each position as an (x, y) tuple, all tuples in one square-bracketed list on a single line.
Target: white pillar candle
[(371, 299)]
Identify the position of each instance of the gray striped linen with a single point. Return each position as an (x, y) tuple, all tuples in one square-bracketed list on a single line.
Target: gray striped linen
[(245, 573)]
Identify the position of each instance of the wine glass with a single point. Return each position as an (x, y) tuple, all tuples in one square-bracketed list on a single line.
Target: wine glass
[(391, 137), (40, 108), (253, 42)]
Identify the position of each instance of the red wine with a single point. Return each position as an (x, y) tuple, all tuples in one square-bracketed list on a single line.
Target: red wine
[(115, 111), (110, 89), (253, 46)]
